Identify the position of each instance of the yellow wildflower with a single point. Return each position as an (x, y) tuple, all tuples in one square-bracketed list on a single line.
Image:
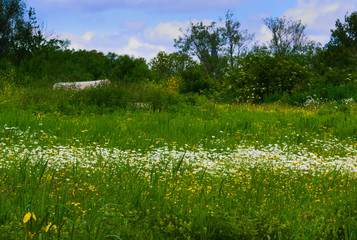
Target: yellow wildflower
[(48, 227), (34, 216), (27, 217), (31, 235)]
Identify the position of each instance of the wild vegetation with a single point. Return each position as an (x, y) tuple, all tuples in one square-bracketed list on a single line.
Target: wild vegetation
[(199, 172), (223, 139)]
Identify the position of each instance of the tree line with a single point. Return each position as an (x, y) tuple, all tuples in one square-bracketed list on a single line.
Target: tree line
[(220, 59)]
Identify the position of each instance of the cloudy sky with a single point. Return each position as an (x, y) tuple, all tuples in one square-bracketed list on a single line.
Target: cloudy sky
[(141, 28)]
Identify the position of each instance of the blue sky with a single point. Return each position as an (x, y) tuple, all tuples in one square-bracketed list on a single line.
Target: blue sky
[(142, 28)]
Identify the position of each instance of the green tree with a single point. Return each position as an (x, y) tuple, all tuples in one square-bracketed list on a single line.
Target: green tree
[(11, 12), (19, 31), (262, 75), (342, 47), (217, 46), (288, 36), (235, 40), (127, 68), (165, 65), (204, 42), (345, 33)]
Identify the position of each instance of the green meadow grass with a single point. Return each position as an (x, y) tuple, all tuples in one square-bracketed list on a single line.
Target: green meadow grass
[(206, 171), (193, 125)]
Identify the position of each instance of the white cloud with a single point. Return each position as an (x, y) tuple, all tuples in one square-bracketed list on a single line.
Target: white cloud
[(135, 47), (304, 11), (320, 16), (92, 41), (88, 36), (143, 42), (264, 35), (168, 31), (77, 42), (139, 39), (330, 8), (165, 32), (113, 42), (319, 38)]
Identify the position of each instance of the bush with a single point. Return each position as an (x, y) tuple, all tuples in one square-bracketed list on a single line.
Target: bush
[(297, 99), (194, 81), (109, 97), (158, 97), (273, 98), (336, 93), (9, 78), (263, 75)]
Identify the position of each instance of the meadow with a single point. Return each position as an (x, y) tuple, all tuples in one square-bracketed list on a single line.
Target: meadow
[(189, 171)]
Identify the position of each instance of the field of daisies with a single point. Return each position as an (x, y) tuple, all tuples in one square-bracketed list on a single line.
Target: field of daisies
[(203, 172)]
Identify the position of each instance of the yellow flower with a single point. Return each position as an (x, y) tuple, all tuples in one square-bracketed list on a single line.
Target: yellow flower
[(34, 217), (48, 227), (31, 235), (27, 217)]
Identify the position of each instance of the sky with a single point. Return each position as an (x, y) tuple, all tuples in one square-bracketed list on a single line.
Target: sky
[(142, 28)]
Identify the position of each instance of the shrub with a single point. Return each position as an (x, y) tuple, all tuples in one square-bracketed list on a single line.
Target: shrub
[(297, 99), (159, 97), (336, 93), (9, 78), (273, 98), (263, 75), (193, 80), (104, 96)]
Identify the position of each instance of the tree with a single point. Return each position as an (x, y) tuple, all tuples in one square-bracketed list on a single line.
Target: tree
[(10, 13), (215, 46), (167, 65), (19, 31), (203, 42), (345, 34), (341, 50), (29, 37), (127, 68), (262, 75), (235, 40), (288, 36)]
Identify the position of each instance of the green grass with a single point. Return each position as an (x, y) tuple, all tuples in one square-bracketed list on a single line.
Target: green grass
[(201, 171), (192, 125)]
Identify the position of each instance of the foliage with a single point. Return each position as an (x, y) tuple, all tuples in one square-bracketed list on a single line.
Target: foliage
[(192, 80), (236, 40), (156, 156), (129, 69), (228, 71), (217, 47), (341, 49), (159, 97), (9, 78), (206, 171), (288, 36), (263, 75), (167, 65), (204, 42), (54, 62), (345, 34), (19, 31), (336, 93)]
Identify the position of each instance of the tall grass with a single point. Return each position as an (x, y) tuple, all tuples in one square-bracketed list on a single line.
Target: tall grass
[(172, 199), (218, 126), (189, 169)]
